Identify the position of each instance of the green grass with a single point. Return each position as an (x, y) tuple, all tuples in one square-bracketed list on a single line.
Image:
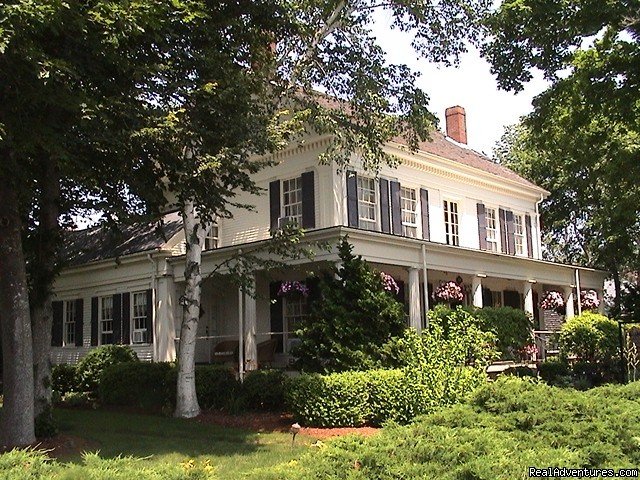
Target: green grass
[(166, 440)]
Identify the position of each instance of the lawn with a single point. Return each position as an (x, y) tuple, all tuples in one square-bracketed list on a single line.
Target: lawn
[(169, 441)]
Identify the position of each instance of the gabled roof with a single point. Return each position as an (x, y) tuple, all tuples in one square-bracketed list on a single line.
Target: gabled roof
[(444, 147), (101, 243)]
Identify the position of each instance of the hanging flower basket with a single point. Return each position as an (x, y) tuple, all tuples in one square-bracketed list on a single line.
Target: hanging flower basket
[(293, 288), (552, 300), (449, 292), (589, 300), (389, 284)]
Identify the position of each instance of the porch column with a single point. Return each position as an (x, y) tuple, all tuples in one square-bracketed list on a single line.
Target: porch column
[(527, 292), (164, 322), (569, 302), (600, 293), (414, 299), (476, 291), (250, 322)]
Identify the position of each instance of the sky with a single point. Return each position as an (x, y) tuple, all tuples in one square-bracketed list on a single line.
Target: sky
[(470, 85)]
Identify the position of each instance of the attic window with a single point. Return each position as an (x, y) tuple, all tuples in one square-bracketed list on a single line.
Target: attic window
[(212, 237)]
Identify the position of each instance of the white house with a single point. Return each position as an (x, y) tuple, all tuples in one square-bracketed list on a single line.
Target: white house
[(446, 213)]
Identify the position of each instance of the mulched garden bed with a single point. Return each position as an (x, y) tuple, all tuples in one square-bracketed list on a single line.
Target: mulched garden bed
[(277, 422)]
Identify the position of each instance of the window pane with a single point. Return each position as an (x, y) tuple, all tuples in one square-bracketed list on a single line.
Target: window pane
[(367, 203)]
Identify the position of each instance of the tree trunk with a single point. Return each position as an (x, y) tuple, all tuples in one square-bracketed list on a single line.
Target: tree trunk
[(186, 398), (46, 260), (17, 413)]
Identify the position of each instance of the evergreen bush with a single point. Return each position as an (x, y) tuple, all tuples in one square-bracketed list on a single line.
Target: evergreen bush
[(64, 379), (96, 361), (511, 326), (355, 318), (264, 390), (136, 384)]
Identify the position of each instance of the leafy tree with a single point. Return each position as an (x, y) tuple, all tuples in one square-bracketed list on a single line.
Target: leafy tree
[(246, 82), (351, 321), (581, 142)]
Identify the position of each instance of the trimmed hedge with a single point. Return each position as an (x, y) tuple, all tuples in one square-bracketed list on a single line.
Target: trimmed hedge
[(64, 379), (264, 390), (136, 384), (96, 361)]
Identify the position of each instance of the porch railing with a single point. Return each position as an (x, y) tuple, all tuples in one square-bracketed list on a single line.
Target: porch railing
[(547, 343)]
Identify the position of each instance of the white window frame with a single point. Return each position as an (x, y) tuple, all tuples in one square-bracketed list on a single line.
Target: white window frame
[(493, 244), (101, 320), (291, 200), (212, 237), (367, 223), (134, 316), (522, 235), (70, 317), (290, 318), (409, 227), (451, 238)]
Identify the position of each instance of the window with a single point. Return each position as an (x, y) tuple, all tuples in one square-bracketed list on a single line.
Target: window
[(367, 203), (212, 238), (496, 298), (492, 229), (69, 329), (295, 311), (139, 318), (106, 320), (518, 232), (292, 200), (409, 203), (451, 222)]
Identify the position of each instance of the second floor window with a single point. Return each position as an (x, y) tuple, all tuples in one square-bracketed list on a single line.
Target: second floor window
[(69, 330), (518, 232), (292, 200), (106, 320), (139, 317), (451, 223), (492, 229), (212, 237), (367, 203), (409, 203)]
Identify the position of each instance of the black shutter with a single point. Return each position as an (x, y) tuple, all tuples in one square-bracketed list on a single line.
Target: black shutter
[(308, 200), (385, 221), (126, 318), (277, 324), (503, 229), (94, 321), (527, 225), (117, 318), (482, 226), (150, 312), (511, 234), (79, 329), (57, 324), (274, 204), (424, 203), (487, 298), (396, 208), (511, 299), (400, 295), (352, 198)]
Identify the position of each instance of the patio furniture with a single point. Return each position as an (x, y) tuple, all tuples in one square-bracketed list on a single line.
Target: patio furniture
[(225, 352), (266, 352)]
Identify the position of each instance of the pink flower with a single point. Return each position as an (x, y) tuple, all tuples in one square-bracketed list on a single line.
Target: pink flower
[(449, 292), (552, 300), (589, 300), (293, 287), (388, 283)]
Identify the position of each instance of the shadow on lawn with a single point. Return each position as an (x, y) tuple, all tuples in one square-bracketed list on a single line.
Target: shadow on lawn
[(140, 435)]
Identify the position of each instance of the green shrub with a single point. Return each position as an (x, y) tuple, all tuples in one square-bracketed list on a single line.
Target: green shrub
[(64, 379), (591, 337), (395, 397), (45, 425), (216, 386), (264, 390), (356, 316), (138, 384), (77, 399), (335, 400), (554, 372), (93, 364), (511, 326), (505, 427)]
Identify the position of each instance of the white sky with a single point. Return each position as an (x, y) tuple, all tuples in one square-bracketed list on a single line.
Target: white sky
[(470, 85)]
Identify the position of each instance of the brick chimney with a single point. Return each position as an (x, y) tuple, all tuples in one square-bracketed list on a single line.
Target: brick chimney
[(456, 124)]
